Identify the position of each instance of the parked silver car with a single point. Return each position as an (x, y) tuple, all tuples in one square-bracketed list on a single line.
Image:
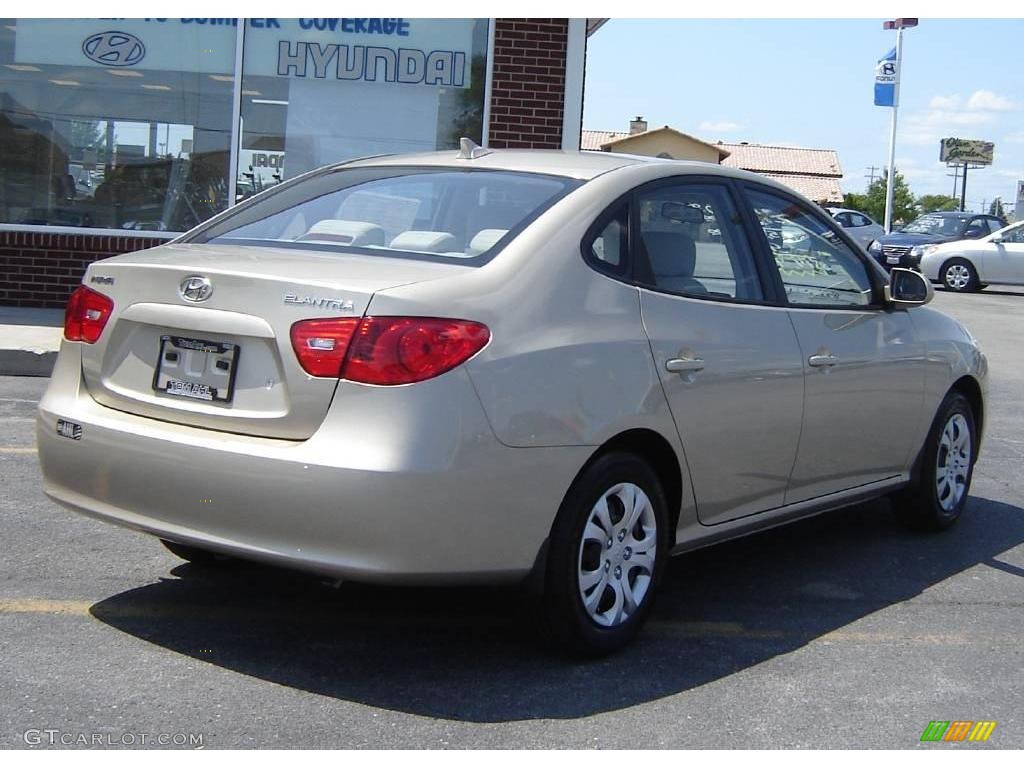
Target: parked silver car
[(549, 367), (861, 227), (970, 265)]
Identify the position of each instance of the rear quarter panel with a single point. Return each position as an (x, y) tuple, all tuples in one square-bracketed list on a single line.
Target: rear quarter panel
[(569, 363)]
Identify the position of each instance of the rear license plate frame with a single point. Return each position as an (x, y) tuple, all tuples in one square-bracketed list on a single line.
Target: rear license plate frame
[(892, 259), (202, 389)]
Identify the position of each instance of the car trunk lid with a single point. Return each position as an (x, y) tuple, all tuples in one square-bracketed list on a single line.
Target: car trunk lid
[(226, 362)]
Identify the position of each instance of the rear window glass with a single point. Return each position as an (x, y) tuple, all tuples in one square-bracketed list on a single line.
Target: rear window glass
[(444, 214)]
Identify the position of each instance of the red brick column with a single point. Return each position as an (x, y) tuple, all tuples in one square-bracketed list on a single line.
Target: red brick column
[(40, 269), (528, 86)]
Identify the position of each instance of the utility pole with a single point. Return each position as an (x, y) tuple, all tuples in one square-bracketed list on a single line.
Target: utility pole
[(871, 175), (963, 191), (956, 178), (899, 25)]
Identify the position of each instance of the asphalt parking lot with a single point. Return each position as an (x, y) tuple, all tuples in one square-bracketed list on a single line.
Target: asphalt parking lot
[(841, 631)]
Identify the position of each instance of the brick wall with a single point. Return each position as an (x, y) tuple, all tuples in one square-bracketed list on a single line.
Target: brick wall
[(528, 88), (40, 269)]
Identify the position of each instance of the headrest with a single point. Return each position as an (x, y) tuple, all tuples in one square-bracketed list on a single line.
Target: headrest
[(484, 240), (345, 232), (424, 241), (672, 254)]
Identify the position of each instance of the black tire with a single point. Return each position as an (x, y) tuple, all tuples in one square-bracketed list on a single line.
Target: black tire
[(195, 555), (920, 505), (568, 623), (959, 275)]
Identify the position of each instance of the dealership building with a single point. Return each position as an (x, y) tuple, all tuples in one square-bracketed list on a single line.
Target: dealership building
[(116, 134)]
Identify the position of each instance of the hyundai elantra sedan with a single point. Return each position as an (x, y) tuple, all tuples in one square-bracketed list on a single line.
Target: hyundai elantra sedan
[(552, 368), (970, 265)]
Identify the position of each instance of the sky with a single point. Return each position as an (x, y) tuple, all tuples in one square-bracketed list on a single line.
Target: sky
[(811, 83)]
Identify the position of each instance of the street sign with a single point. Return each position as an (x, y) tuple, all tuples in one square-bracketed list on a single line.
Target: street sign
[(966, 151)]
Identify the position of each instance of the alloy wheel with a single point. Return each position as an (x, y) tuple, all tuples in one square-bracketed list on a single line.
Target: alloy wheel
[(617, 555), (958, 276), (953, 463)]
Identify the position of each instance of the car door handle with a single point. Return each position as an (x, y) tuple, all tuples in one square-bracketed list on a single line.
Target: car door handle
[(822, 361), (684, 365)]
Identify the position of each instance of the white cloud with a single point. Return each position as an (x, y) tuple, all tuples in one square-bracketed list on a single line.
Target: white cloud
[(720, 126), (989, 101), (944, 102)]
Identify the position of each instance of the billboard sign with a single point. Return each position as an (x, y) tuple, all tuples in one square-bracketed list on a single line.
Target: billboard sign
[(970, 151)]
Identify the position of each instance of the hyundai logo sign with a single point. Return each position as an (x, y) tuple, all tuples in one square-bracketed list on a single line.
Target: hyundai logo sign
[(114, 49), (195, 288)]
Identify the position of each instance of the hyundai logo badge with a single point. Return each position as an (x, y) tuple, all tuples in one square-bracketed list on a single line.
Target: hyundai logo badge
[(114, 49), (195, 288)]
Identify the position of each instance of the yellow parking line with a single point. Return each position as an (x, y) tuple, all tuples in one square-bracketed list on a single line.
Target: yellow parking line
[(17, 449), (37, 605)]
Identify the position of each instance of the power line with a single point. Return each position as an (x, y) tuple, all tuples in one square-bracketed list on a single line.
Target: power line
[(871, 175)]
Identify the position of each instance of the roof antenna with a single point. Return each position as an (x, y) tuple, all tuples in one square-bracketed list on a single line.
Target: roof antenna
[(470, 150)]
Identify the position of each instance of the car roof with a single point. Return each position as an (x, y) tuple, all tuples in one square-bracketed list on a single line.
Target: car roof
[(576, 164)]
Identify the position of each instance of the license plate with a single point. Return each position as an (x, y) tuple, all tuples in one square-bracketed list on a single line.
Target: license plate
[(892, 259), (196, 369)]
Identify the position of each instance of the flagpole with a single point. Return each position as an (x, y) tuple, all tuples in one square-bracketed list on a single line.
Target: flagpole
[(890, 183)]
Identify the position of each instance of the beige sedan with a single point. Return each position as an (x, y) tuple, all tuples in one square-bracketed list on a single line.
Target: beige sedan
[(554, 368)]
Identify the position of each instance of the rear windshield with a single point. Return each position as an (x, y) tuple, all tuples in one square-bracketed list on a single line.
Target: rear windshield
[(458, 215)]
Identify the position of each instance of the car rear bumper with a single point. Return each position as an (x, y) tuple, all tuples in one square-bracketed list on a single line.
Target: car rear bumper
[(400, 484)]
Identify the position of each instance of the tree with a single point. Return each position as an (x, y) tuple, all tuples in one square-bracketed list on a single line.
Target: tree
[(929, 203), (873, 203), (996, 209), (855, 201)]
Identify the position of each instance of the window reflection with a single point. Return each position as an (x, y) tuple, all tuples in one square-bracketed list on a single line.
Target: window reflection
[(98, 130)]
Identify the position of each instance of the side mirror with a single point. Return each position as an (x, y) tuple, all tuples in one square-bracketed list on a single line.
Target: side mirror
[(996, 240), (908, 288)]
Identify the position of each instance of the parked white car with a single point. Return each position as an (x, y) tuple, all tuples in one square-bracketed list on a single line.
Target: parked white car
[(970, 265), (859, 226)]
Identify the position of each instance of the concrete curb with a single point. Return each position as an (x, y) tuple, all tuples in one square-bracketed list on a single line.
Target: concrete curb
[(26, 362)]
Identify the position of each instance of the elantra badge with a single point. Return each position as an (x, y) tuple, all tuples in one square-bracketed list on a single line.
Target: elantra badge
[(320, 302)]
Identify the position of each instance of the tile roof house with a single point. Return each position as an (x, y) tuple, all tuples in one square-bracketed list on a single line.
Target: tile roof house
[(814, 173)]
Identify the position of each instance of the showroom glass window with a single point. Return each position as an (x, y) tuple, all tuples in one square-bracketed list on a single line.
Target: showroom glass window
[(120, 124), (320, 91)]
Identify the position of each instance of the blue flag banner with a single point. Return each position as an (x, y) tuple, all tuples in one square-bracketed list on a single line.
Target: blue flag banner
[(886, 77)]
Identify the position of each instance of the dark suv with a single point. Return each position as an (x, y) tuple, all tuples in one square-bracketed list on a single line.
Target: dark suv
[(904, 248)]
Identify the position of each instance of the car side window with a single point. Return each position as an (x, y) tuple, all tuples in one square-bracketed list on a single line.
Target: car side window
[(860, 221), (1014, 235), (977, 227), (844, 219), (607, 246), (691, 241), (817, 268)]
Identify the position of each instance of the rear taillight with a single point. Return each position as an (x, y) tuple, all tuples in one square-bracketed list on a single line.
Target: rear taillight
[(386, 350), (86, 314), (401, 350), (320, 345)]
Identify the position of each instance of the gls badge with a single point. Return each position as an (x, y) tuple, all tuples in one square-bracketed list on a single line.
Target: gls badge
[(114, 49)]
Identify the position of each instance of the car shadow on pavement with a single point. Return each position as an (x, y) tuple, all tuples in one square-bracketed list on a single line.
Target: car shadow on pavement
[(473, 655)]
